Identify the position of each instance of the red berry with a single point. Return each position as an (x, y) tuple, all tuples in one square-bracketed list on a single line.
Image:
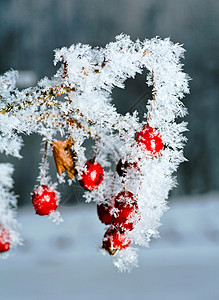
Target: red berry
[(4, 239), (93, 176), (150, 139), (122, 167), (114, 240), (103, 211), (44, 200), (128, 213)]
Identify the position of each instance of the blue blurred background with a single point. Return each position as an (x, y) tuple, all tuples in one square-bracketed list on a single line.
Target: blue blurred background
[(185, 264)]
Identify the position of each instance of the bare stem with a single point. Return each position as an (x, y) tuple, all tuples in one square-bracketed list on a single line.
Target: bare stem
[(154, 97), (44, 163)]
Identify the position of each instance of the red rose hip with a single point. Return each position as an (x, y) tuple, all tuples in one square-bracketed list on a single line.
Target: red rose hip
[(114, 240), (122, 167), (44, 200), (103, 212), (150, 139), (93, 176), (127, 215), (4, 239)]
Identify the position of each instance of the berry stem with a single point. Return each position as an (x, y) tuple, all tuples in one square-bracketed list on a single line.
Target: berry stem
[(113, 183), (154, 97), (140, 184), (96, 149), (43, 172)]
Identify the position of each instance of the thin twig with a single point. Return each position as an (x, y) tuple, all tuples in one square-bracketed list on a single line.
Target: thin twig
[(44, 163), (154, 97)]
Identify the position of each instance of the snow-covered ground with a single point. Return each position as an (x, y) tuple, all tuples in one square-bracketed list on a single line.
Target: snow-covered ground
[(64, 262)]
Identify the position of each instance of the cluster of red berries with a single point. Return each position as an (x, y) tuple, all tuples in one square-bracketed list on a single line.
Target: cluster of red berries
[(123, 213)]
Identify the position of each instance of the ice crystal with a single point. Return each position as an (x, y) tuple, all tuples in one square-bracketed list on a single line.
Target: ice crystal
[(56, 217), (126, 259)]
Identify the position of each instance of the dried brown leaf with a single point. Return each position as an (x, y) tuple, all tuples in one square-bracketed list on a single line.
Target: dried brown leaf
[(64, 157)]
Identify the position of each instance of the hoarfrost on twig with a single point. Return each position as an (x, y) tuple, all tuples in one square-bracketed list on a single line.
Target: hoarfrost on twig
[(86, 79)]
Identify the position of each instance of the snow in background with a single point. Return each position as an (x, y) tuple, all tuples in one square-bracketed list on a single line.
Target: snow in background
[(64, 262)]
